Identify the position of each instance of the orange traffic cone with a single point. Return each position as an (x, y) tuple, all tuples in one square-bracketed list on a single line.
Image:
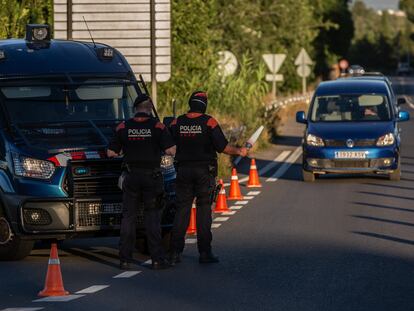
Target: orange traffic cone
[(221, 203), (192, 227), (235, 193), (54, 282), (254, 181)]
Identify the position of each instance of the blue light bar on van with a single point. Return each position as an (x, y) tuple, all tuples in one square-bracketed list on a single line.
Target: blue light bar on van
[(2, 55)]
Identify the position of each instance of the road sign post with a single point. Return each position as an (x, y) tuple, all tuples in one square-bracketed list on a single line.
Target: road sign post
[(303, 62), (274, 62)]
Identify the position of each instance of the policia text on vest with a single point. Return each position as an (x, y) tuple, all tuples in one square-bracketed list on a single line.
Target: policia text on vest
[(199, 138), (142, 139)]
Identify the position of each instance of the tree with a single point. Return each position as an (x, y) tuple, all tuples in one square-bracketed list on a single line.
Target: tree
[(408, 7), (335, 35)]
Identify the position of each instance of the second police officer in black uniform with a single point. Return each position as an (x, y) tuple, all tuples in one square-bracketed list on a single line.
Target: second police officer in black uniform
[(142, 139), (198, 137)]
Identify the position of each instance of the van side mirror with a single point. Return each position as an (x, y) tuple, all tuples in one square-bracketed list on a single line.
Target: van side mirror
[(401, 101), (403, 116), (301, 118), (167, 121)]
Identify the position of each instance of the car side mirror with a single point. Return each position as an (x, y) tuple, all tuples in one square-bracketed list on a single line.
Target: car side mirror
[(167, 121), (403, 116), (301, 118), (401, 101)]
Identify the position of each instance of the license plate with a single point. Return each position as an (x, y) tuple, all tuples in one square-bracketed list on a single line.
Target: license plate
[(351, 154)]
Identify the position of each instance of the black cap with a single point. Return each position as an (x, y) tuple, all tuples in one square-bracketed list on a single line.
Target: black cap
[(198, 101), (140, 99)]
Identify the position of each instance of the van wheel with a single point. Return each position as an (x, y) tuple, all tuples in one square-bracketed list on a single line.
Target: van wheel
[(396, 175), (308, 176), (11, 246)]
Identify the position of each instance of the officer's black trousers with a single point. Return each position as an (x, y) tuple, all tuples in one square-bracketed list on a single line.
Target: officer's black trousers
[(141, 185), (193, 182)]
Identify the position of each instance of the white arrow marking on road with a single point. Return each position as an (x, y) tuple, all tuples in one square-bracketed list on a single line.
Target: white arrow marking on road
[(241, 202), (221, 219), (190, 241), (274, 61), (229, 213), (303, 58), (235, 207), (253, 193), (92, 289), (59, 298), (283, 169), (126, 274)]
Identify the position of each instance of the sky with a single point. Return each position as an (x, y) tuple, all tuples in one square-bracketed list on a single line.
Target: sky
[(382, 4)]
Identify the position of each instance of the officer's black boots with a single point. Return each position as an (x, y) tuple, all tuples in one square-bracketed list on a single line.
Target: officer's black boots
[(174, 258), (161, 264), (208, 258), (124, 265)]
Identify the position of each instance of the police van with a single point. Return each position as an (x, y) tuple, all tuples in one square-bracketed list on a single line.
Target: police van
[(59, 104)]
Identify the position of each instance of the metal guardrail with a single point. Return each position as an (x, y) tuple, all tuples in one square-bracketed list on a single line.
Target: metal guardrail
[(290, 100)]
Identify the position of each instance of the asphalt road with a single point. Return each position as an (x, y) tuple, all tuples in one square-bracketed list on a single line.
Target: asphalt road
[(337, 244)]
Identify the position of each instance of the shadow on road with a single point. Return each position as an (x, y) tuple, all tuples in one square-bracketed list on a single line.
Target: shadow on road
[(387, 195), (396, 222), (384, 207), (384, 237)]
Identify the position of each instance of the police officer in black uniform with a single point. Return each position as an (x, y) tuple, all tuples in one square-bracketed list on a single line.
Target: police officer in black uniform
[(198, 137), (141, 140)]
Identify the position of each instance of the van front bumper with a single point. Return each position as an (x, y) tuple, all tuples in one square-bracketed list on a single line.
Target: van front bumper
[(382, 160)]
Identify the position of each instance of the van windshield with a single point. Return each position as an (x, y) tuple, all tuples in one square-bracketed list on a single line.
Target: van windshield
[(354, 108), (59, 103)]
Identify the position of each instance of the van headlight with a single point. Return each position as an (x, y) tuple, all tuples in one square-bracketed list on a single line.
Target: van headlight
[(386, 140), (315, 141), (34, 168)]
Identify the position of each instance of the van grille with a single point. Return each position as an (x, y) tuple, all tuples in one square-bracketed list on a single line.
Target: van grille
[(357, 143), (95, 215), (89, 178)]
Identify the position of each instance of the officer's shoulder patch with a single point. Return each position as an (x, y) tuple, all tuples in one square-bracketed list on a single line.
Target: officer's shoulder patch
[(120, 126), (159, 125), (212, 122), (174, 122)]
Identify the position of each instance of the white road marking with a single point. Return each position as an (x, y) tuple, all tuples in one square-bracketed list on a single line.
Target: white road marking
[(59, 298), (253, 193), (221, 219), (22, 309), (280, 158), (147, 263), (215, 225), (126, 274), (236, 207), (410, 104), (241, 202), (190, 241), (248, 197), (283, 169), (92, 289), (229, 213)]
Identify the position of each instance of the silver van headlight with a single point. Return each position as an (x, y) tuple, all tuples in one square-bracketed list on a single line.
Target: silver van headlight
[(33, 168)]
